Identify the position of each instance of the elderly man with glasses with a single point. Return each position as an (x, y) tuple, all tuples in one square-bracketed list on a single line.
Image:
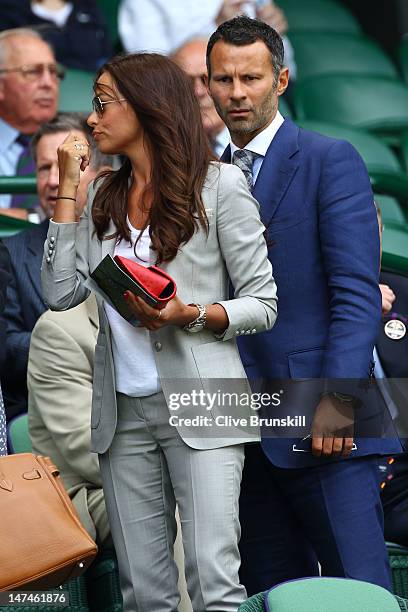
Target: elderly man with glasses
[(29, 88)]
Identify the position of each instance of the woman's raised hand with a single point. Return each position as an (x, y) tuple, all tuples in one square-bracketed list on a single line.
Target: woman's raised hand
[(73, 156)]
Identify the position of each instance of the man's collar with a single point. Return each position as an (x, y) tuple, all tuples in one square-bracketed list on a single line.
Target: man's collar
[(8, 134), (261, 142), (221, 141)]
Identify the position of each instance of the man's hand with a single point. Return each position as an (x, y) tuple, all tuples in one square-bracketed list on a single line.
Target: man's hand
[(388, 298), (332, 428)]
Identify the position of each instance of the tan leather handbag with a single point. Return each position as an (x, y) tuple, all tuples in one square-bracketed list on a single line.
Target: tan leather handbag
[(42, 541)]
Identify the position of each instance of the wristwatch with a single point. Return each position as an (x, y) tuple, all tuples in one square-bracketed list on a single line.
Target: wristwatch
[(199, 323)]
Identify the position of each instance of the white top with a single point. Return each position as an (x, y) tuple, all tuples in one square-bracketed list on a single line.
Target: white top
[(59, 17), (135, 367), (163, 26), (260, 143)]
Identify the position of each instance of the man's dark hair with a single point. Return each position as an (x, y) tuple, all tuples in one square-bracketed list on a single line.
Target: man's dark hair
[(242, 31)]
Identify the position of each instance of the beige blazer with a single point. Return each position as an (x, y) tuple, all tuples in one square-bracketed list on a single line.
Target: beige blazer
[(234, 250), (59, 378)]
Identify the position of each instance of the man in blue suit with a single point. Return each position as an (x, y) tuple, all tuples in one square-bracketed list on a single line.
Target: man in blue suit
[(320, 504)]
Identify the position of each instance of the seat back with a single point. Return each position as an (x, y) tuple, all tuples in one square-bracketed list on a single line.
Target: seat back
[(403, 57), (284, 108), (76, 91), (374, 104), (391, 210), (329, 595), (18, 436), (333, 53), (110, 9), (319, 16), (395, 252)]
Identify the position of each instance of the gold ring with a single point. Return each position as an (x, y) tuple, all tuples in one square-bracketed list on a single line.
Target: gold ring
[(158, 316)]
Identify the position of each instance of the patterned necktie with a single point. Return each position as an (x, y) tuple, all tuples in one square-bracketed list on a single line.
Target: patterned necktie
[(244, 159), (25, 167)]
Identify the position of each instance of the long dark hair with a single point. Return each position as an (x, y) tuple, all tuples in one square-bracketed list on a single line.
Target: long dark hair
[(163, 99)]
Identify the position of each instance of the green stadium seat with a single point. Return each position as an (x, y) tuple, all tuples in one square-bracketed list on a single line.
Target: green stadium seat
[(319, 16), (391, 210), (403, 57), (103, 585), (395, 252), (11, 225), (284, 108), (19, 438), (76, 91), (15, 184), (398, 556), (377, 105), (253, 604), (404, 149), (330, 594), (110, 8), (333, 53)]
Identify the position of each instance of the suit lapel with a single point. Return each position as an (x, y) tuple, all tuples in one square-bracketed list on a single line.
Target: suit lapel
[(226, 156), (35, 250), (277, 171)]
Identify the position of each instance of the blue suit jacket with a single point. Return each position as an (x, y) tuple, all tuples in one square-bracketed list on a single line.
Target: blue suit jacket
[(24, 305), (317, 205)]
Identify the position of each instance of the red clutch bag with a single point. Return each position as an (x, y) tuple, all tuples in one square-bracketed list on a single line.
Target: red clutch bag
[(153, 281)]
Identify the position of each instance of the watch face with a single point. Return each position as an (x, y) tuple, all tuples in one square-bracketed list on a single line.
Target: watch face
[(197, 328)]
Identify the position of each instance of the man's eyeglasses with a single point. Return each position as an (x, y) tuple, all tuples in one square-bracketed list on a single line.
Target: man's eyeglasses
[(98, 105), (33, 72)]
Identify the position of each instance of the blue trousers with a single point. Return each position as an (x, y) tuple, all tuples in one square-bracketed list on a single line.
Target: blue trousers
[(293, 519)]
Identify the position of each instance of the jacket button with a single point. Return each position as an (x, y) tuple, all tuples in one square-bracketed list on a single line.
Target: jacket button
[(158, 346), (48, 260), (52, 239), (253, 331)]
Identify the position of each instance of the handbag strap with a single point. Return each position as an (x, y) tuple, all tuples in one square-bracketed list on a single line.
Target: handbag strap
[(45, 462)]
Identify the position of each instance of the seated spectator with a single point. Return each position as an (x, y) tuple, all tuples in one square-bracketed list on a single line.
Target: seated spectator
[(24, 302), (191, 58), (76, 30), (29, 87), (164, 26), (391, 372), (392, 352), (59, 380), (4, 280)]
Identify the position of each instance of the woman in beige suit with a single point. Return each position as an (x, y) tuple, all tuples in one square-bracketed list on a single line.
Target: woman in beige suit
[(168, 204)]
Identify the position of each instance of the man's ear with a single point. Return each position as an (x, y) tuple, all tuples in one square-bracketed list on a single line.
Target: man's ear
[(283, 81), (207, 83), (1, 90)]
